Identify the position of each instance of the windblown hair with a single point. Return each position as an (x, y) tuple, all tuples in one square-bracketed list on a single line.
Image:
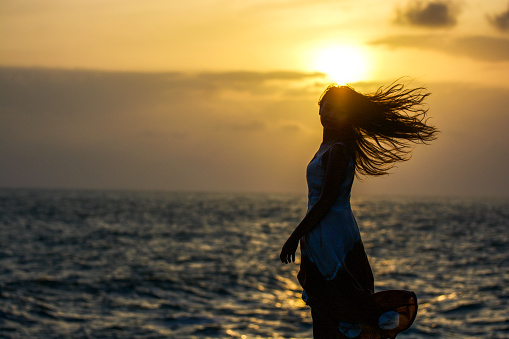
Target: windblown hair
[(383, 126)]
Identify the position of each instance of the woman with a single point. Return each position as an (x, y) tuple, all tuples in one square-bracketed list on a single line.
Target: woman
[(363, 134)]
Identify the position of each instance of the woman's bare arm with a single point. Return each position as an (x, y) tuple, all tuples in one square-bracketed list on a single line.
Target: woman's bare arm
[(337, 162)]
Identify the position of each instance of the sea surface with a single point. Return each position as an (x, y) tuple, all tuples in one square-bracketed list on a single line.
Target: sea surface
[(113, 264)]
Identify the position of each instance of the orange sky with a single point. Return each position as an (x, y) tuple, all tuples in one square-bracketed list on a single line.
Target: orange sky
[(432, 42), (221, 95)]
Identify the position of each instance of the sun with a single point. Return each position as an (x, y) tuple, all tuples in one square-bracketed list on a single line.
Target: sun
[(343, 64)]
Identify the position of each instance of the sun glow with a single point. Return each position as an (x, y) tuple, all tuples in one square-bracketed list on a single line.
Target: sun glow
[(343, 64)]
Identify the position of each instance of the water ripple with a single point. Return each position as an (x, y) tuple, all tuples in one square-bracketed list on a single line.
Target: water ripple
[(91, 264)]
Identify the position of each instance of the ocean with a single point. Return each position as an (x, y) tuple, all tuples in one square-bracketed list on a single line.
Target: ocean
[(118, 264)]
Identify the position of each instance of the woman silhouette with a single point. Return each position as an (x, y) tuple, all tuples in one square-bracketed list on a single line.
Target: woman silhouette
[(363, 134)]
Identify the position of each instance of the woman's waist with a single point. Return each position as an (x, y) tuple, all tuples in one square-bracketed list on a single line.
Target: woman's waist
[(336, 224)]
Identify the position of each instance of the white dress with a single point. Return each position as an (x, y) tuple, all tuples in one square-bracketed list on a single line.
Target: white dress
[(328, 243), (335, 270)]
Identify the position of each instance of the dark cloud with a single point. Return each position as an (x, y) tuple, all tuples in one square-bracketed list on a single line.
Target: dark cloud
[(92, 129), (480, 48), (254, 82), (500, 21), (433, 14), (40, 91), (221, 131)]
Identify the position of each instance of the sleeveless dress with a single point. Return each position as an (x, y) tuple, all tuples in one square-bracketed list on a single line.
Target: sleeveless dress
[(335, 273)]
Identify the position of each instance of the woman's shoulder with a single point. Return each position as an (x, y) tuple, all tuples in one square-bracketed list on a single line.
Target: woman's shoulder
[(326, 147), (337, 151)]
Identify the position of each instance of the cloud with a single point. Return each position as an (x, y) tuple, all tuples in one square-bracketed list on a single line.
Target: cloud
[(202, 131), (432, 14), (231, 131), (250, 126), (481, 48), (500, 21)]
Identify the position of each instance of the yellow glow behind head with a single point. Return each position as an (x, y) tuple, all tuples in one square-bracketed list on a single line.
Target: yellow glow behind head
[(343, 64)]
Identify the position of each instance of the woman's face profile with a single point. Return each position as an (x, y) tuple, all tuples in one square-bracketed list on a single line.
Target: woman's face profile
[(331, 113)]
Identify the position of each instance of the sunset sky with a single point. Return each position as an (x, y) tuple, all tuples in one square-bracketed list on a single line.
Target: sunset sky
[(222, 95)]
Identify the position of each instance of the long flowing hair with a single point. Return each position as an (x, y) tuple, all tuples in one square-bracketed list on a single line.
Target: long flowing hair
[(382, 127)]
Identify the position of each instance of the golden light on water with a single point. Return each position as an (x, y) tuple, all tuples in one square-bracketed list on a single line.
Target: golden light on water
[(343, 64)]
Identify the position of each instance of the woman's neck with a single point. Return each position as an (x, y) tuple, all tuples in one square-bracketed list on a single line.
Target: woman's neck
[(340, 135), (331, 137)]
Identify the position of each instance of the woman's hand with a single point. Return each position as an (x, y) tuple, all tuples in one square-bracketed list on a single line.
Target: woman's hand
[(288, 251)]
